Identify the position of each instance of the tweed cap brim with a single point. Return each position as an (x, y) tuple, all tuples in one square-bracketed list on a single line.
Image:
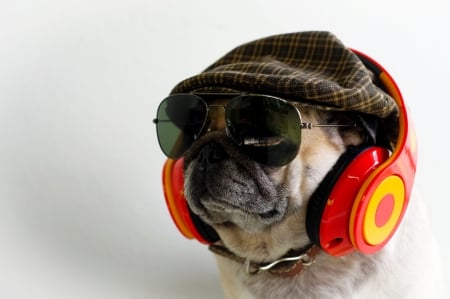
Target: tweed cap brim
[(312, 67)]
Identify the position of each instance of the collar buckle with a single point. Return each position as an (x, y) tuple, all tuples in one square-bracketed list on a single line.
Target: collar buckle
[(289, 265), (304, 260)]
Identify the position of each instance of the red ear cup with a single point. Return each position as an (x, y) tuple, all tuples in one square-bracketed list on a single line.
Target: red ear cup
[(336, 219), (173, 182), (330, 207), (187, 223)]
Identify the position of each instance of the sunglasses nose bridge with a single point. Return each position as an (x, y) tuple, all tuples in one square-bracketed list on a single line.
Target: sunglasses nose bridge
[(216, 118)]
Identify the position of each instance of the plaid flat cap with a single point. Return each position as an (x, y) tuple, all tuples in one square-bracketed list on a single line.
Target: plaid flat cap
[(312, 67)]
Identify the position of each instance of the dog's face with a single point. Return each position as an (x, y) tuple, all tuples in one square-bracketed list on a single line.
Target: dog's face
[(259, 211)]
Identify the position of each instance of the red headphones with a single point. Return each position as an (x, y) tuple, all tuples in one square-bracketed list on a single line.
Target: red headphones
[(358, 206)]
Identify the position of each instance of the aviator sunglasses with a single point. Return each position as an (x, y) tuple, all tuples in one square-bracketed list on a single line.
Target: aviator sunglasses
[(266, 128)]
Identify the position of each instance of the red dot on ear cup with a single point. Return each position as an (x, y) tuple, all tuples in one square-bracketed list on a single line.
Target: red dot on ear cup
[(384, 210), (173, 196)]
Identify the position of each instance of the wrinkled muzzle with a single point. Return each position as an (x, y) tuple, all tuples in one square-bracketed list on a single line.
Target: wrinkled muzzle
[(224, 186)]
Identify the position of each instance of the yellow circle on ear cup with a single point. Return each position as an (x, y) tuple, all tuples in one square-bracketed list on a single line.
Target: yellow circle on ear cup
[(384, 210)]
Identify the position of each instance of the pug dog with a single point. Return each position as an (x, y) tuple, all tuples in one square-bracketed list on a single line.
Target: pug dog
[(260, 132), (259, 213)]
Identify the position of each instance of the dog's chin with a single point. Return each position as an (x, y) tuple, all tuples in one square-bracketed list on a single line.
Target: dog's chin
[(233, 191)]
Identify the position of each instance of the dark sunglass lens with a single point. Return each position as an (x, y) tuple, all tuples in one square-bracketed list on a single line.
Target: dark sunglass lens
[(266, 128), (180, 119)]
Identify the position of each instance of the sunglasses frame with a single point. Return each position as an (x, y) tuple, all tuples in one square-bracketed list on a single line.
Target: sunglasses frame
[(203, 97)]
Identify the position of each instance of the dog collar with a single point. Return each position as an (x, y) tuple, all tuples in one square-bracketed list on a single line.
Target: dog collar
[(290, 264)]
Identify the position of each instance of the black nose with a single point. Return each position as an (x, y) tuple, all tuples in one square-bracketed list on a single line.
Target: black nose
[(211, 153)]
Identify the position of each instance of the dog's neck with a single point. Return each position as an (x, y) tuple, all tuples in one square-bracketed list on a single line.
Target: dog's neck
[(290, 264)]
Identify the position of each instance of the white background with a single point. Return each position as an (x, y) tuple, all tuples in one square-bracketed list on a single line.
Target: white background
[(81, 208)]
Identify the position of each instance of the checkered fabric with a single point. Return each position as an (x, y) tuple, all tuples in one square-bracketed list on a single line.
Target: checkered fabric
[(312, 67)]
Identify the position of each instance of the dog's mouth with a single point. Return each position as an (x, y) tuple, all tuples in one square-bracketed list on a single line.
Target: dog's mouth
[(224, 186)]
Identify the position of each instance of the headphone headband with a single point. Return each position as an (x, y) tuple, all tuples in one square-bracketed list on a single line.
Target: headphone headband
[(391, 182)]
